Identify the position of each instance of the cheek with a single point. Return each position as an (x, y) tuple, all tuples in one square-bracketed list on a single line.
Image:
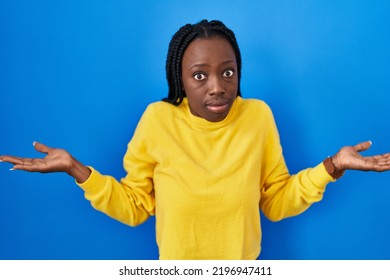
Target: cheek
[(195, 100), (186, 85), (191, 84), (194, 89)]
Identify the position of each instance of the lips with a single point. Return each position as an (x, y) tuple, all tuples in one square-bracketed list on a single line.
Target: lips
[(217, 106)]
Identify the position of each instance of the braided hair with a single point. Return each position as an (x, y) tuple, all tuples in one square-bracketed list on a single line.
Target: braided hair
[(179, 43)]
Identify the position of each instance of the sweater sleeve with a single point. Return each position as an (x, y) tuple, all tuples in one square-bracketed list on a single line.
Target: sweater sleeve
[(284, 195), (130, 200)]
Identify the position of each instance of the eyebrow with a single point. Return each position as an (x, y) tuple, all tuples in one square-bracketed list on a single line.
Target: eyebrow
[(205, 64)]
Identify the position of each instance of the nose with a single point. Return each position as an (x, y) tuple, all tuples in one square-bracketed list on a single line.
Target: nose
[(215, 86)]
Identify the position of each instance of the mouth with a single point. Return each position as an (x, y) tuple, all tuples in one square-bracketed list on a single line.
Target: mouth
[(218, 108)]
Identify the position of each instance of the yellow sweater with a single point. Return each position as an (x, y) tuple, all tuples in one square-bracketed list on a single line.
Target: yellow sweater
[(205, 181)]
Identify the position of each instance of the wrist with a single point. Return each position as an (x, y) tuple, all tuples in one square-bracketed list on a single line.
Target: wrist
[(79, 171)]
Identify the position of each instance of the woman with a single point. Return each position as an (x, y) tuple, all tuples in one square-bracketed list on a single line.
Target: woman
[(204, 160)]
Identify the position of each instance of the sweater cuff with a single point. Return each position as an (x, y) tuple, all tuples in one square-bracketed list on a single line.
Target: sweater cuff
[(92, 180), (322, 176)]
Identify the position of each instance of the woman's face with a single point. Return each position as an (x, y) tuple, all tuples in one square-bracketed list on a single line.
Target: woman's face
[(209, 75)]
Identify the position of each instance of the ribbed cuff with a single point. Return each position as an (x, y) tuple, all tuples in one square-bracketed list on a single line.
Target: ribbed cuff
[(92, 180), (320, 175)]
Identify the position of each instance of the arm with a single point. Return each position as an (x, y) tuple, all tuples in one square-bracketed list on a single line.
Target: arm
[(284, 195), (129, 202)]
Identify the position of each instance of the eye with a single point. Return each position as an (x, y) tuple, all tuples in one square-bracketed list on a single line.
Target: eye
[(199, 76), (228, 73)]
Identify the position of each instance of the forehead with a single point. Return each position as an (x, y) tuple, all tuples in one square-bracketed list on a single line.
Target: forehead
[(208, 50)]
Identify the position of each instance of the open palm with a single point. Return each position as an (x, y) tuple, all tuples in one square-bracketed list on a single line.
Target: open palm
[(56, 160), (349, 157)]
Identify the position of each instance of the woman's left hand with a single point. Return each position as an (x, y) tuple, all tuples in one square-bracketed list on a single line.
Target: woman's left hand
[(348, 157)]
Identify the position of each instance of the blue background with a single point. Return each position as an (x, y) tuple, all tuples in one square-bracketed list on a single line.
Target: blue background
[(79, 74)]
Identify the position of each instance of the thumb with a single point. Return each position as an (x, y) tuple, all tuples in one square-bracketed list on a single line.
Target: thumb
[(41, 147), (363, 146)]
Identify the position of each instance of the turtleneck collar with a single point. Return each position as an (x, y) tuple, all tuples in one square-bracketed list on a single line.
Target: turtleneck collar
[(205, 124)]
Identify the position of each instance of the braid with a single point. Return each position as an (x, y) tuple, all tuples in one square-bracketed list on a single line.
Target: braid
[(179, 43)]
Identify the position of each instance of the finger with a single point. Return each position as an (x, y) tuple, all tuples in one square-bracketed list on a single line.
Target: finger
[(41, 147), (377, 163), (30, 168), (31, 165), (13, 159), (363, 146), (383, 157), (379, 166)]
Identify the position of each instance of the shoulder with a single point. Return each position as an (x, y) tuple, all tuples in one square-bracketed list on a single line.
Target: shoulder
[(255, 107), (158, 109), (159, 106), (158, 115), (154, 120)]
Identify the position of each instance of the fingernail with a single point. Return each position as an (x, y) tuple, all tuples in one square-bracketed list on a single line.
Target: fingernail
[(34, 143), (370, 142), (1, 160), (11, 169)]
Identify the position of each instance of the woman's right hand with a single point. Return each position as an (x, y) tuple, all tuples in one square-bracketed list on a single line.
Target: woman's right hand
[(56, 160)]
